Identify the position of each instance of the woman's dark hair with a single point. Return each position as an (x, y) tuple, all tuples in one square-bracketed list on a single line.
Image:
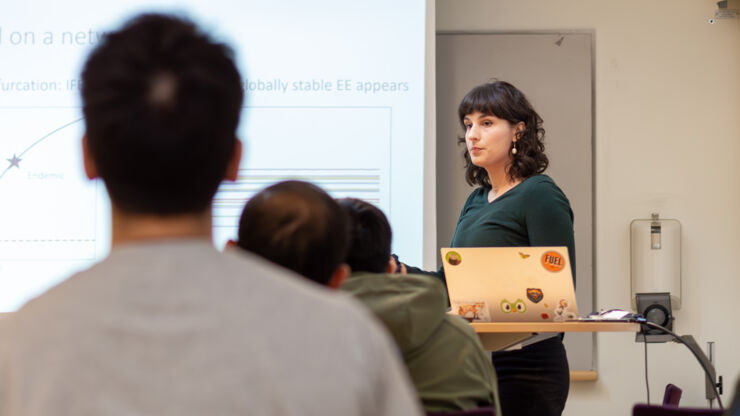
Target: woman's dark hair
[(506, 102)]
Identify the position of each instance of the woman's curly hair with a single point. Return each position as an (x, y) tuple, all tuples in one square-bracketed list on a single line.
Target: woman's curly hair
[(504, 101)]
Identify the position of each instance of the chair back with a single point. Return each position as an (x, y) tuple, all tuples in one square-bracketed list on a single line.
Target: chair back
[(647, 410), (672, 395), (481, 411)]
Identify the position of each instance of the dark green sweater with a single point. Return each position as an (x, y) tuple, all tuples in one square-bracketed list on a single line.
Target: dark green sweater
[(534, 213)]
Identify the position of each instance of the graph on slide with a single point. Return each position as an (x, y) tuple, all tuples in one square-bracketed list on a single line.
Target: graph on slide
[(49, 208), (304, 143), (52, 220), (339, 183)]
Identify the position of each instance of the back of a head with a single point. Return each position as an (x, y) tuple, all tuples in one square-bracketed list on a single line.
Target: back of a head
[(298, 226), (370, 236), (162, 103)]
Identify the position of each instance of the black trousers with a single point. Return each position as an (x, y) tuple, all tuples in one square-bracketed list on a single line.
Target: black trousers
[(533, 380)]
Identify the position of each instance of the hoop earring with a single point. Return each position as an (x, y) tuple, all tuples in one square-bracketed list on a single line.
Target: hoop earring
[(513, 149)]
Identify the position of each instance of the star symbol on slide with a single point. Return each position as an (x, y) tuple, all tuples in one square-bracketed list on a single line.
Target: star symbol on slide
[(14, 161)]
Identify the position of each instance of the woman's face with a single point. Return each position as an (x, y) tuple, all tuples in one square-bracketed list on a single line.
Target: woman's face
[(489, 139)]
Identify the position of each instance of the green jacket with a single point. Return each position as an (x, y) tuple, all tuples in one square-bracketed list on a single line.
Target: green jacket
[(443, 354)]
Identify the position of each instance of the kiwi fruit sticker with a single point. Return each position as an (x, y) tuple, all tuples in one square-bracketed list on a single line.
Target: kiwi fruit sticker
[(453, 257)]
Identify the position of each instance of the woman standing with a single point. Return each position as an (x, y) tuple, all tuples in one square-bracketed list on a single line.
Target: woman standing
[(514, 204)]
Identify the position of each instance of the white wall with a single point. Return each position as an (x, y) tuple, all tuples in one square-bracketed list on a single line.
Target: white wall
[(667, 139)]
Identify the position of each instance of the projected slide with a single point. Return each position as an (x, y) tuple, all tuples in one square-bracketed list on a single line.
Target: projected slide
[(334, 95)]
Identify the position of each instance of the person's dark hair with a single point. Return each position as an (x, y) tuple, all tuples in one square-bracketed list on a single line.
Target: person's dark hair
[(370, 236), (161, 102), (297, 225), (506, 102)]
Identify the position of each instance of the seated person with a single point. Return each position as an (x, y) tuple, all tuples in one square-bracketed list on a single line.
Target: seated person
[(445, 358), (297, 225)]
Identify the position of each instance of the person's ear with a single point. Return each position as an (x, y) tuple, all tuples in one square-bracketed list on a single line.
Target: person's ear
[(340, 274), (232, 169), (519, 129), (91, 168)]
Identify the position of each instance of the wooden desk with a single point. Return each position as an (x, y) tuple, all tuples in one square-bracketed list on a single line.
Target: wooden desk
[(501, 335), (497, 336)]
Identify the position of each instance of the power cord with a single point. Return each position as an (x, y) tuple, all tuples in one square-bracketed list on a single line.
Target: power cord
[(647, 385), (691, 348)]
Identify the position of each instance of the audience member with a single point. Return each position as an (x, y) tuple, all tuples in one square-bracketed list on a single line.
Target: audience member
[(298, 226), (442, 352), (167, 325)]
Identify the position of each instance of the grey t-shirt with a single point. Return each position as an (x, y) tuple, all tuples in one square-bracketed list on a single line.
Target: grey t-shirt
[(177, 328)]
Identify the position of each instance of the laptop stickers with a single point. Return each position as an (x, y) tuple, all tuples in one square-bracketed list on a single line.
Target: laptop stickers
[(510, 284)]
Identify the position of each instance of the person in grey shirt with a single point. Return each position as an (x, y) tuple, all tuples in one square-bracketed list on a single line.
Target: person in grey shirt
[(167, 325)]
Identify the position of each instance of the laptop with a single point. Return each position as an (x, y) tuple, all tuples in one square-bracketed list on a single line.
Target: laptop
[(510, 284)]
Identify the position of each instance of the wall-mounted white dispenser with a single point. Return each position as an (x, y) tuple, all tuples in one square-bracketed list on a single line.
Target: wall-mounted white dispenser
[(655, 258)]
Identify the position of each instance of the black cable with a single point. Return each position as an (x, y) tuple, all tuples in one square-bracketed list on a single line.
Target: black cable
[(696, 354), (647, 384)]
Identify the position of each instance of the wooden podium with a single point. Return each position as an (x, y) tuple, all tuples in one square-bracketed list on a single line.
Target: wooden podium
[(497, 336)]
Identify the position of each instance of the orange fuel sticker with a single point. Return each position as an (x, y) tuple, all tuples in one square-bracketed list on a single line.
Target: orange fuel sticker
[(553, 261)]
